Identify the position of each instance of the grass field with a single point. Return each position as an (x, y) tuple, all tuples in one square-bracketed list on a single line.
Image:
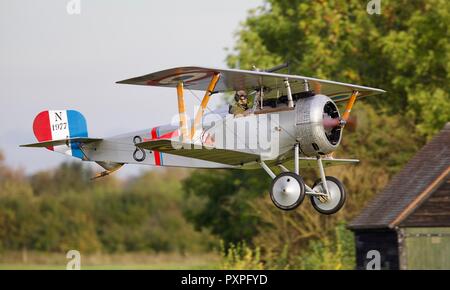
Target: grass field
[(127, 261)]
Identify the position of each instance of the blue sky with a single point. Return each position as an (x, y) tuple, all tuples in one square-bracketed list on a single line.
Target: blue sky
[(52, 60)]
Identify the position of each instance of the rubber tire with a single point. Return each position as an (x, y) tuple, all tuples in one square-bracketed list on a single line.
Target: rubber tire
[(302, 191), (341, 201)]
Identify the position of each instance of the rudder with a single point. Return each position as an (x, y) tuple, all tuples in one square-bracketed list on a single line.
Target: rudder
[(61, 124)]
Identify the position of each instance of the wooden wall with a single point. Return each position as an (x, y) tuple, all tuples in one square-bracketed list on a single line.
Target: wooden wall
[(434, 211)]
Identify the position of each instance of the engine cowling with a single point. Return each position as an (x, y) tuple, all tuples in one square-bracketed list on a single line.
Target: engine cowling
[(312, 115)]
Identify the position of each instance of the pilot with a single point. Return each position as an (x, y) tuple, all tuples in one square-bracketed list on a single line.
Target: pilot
[(241, 103)]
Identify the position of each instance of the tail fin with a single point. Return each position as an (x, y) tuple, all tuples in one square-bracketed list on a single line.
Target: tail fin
[(69, 125)]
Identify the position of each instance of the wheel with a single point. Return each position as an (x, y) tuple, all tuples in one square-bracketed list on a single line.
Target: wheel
[(337, 193), (287, 191)]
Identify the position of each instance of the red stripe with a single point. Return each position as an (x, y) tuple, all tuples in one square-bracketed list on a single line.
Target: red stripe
[(41, 128), (156, 153)]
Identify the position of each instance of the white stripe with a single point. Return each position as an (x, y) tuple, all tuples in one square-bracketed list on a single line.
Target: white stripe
[(59, 126)]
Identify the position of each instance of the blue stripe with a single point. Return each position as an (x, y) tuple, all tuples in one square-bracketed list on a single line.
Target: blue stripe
[(77, 128)]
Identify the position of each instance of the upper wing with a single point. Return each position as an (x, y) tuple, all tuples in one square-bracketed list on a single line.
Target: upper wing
[(198, 78), (223, 156), (62, 142)]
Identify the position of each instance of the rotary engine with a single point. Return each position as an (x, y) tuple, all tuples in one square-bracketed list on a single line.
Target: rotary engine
[(318, 129)]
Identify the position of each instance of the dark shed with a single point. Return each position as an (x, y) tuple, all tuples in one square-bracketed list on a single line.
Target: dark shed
[(409, 221)]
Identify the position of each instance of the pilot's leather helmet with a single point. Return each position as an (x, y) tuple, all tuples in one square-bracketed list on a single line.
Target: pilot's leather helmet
[(239, 94)]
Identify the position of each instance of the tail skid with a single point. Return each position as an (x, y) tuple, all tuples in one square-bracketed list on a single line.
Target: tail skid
[(110, 167)]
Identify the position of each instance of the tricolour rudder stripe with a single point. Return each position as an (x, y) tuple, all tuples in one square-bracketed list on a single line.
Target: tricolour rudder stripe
[(41, 128), (156, 155), (77, 128)]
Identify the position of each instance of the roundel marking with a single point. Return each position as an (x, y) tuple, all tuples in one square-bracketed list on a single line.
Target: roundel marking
[(187, 77)]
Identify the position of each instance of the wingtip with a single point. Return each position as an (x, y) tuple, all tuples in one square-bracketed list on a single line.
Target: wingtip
[(126, 82)]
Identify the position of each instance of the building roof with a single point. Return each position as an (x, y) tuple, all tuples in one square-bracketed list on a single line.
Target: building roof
[(426, 171)]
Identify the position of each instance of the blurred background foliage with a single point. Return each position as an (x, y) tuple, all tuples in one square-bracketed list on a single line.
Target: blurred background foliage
[(63, 209), (405, 51)]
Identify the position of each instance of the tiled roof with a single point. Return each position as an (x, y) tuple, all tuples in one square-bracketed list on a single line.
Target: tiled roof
[(415, 181)]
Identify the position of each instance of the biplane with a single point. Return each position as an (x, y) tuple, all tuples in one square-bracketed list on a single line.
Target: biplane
[(294, 123)]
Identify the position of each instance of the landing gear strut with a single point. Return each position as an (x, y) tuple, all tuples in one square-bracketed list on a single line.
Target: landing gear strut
[(288, 189)]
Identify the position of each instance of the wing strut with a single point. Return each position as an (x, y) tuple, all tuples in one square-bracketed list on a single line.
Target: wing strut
[(349, 106), (204, 103), (182, 112), (289, 93)]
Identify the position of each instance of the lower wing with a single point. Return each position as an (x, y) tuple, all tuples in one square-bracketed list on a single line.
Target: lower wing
[(223, 156)]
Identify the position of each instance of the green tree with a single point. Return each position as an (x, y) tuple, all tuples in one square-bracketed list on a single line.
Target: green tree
[(63, 209), (221, 201), (405, 50)]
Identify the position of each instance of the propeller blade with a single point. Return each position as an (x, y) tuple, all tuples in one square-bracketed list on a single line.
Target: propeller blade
[(350, 124), (330, 123)]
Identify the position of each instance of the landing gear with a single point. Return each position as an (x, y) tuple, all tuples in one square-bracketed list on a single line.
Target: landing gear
[(287, 191), (336, 199)]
